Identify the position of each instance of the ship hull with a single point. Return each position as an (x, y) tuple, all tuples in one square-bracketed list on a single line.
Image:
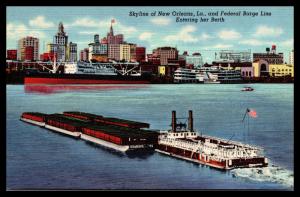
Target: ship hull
[(83, 79), (205, 160)]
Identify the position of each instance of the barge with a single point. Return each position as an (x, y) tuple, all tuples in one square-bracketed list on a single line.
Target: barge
[(125, 135), (215, 152), (118, 134)]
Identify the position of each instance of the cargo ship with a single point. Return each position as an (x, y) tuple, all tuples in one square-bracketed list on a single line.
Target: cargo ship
[(118, 134), (88, 73), (219, 153)]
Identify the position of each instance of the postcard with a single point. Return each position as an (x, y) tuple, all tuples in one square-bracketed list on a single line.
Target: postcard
[(150, 98)]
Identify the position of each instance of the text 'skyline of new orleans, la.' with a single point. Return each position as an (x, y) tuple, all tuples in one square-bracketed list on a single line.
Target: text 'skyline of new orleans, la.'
[(262, 66), (199, 16)]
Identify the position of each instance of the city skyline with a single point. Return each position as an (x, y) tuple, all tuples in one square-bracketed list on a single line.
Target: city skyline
[(236, 33)]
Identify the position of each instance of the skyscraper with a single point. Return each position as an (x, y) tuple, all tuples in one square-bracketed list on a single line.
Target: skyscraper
[(61, 41), (114, 39), (114, 51), (72, 52), (125, 52), (28, 49), (98, 50)]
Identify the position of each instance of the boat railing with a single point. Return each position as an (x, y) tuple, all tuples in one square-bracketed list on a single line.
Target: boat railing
[(234, 142)]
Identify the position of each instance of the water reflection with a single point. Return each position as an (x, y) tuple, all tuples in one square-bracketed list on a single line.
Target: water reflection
[(53, 89)]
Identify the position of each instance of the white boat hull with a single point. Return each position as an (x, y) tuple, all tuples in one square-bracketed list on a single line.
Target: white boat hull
[(42, 124), (121, 148), (74, 134)]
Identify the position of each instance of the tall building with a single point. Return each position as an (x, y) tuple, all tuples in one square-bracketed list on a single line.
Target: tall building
[(140, 53), (271, 57), (11, 54), (72, 52), (84, 54), (132, 52), (28, 47), (97, 49), (114, 39), (165, 53), (114, 52), (51, 48), (195, 60), (125, 52), (61, 42), (29, 53), (291, 57)]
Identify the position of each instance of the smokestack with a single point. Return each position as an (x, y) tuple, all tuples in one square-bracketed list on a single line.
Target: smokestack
[(173, 120), (190, 126)]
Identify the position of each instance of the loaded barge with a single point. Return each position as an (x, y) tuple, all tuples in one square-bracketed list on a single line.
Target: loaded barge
[(125, 135), (215, 152), (119, 134)]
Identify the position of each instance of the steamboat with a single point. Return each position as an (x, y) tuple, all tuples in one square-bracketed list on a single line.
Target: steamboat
[(219, 153)]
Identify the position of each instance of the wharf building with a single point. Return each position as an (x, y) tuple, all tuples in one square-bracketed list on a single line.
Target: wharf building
[(28, 49), (11, 54), (262, 68), (271, 64)]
